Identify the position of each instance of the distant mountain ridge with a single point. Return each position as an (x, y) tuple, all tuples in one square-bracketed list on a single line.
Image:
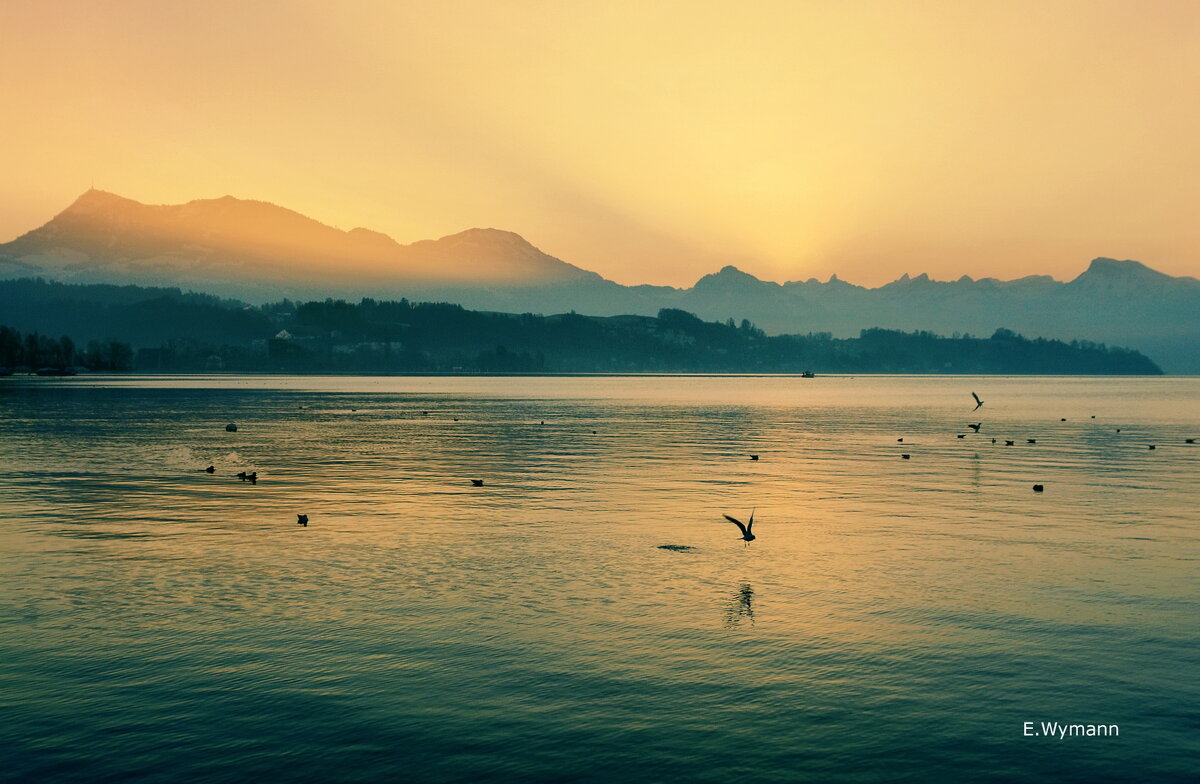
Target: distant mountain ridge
[(257, 251), (235, 241)]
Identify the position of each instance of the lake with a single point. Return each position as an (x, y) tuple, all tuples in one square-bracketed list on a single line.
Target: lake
[(896, 619)]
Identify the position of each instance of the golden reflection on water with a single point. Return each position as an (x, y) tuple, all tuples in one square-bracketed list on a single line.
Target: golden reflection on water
[(543, 605)]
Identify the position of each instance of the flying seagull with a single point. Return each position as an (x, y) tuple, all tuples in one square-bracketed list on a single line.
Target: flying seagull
[(747, 534), (978, 402), (976, 426)]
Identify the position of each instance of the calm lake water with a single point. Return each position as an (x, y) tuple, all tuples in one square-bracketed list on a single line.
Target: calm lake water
[(895, 620)]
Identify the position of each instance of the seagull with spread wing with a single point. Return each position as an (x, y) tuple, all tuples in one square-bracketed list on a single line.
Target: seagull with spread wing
[(978, 402), (747, 535)]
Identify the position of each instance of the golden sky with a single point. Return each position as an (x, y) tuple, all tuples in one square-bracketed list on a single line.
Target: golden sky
[(648, 141)]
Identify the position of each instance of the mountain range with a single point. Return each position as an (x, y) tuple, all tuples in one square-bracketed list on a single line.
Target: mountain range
[(256, 252)]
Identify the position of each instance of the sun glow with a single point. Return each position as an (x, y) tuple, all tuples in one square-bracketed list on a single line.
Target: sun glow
[(649, 142)]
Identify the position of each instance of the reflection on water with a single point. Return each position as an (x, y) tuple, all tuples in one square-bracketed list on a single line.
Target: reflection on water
[(741, 608), (588, 614)]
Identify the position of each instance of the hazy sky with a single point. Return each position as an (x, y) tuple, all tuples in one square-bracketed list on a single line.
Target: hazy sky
[(649, 141)]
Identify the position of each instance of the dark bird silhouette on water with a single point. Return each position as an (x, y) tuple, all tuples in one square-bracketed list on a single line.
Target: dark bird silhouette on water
[(476, 483), (1189, 440), (1064, 419), (753, 457), (1038, 488), (906, 457), (1152, 446), (251, 477), (747, 532), (231, 428), (975, 426), (993, 440), (899, 440), (302, 519), (1030, 440), (978, 402), (962, 435), (1010, 443), (210, 469)]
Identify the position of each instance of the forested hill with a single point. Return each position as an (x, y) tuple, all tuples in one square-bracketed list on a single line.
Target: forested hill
[(673, 341), (176, 331)]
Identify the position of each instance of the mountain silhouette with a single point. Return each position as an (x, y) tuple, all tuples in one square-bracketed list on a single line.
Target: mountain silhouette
[(256, 251), (241, 246)]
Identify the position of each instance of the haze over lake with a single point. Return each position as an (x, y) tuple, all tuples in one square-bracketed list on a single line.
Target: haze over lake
[(895, 619)]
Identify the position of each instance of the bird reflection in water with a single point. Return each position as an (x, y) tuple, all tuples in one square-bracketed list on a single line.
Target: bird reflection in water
[(740, 607)]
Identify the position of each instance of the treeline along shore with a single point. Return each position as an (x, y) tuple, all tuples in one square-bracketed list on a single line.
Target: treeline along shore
[(166, 330), (32, 353)]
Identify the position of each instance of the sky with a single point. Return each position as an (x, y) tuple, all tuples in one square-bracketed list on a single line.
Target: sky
[(650, 142)]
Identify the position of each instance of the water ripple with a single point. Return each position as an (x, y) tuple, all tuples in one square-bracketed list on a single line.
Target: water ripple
[(587, 614)]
